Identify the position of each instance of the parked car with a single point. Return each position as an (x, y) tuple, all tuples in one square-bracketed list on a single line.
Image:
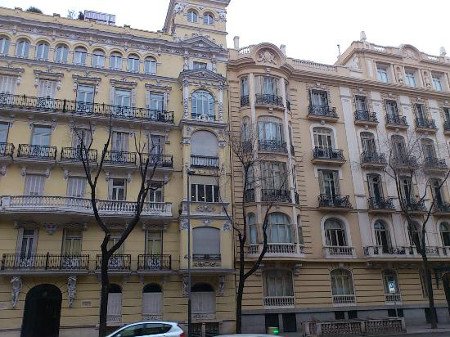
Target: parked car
[(149, 329), (247, 335)]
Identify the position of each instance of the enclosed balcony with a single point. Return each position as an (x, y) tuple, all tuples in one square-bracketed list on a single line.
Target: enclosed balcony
[(425, 125), (153, 263), (338, 251), (365, 117), (334, 203), (276, 195), (118, 263), (6, 151), (37, 104), (373, 160), (325, 112), (435, 165), (396, 122), (328, 156), (75, 155), (44, 263), (272, 146), (204, 162), (267, 99), (381, 205), (36, 152)]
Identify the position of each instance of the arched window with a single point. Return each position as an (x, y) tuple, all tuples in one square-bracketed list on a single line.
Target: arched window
[(203, 299), (114, 310), (115, 61), (98, 58), (335, 233), (4, 45), (270, 134), (61, 53), (204, 150), (192, 16), (206, 243), (22, 48), (252, 229), (203, 105), (341, 284), (444, 228), (323, 138), (79, 56), (152, 301), (278, 283), (279, 228), (150, 66), (208, 19), (133, 63), (382, 236), (429, 151), (42, 51), (368, 143), (390, 283)]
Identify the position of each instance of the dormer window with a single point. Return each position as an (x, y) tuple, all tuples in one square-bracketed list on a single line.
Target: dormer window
[(199, 65), (192, 16)]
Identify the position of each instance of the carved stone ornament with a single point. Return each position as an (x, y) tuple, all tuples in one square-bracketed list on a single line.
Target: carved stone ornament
[(50, 228), (222, 16), (227, 226), (184, 224), (71, 289), (178, 8), (221, 288), (206, 209), (266, 56), (16, 287), (207, 264)]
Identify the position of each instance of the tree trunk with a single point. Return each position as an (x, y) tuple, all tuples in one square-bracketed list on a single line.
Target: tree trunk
[(104, 293), (240, 290), (429, 286)]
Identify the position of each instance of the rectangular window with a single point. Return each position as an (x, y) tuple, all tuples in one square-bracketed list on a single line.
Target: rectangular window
[(47, 88), (361, 105), (199, 65), (244, 87), (447, 115), (4, 129), (85, 94), (120, 141), (34, 185), (81, 136), (410, 78), (329, 182), (437, 82), (156, 102), (156, 145), (118, 189), (8, 84), (26, 245), (204, 193), (406, 188), (420, 114), (72, 243), (319, 98), (76, 187), (274, 175), (41, 135), (156, 195), (391, 108), (115, 237), (153, 242), (382, 73), (122, 98), (266, 85)]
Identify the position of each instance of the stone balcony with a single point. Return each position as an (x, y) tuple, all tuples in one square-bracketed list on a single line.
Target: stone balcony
[(81, 206), (425, 125), (407, 252), (344, 300), (393, 298), (279, 301), (277, 250), (339, 251), (435, 165)]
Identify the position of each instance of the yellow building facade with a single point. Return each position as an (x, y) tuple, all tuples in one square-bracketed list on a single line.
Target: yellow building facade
[(338, 245), (61, 78)]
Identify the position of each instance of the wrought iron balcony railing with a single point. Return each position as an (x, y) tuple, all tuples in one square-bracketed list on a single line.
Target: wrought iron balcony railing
[(269, 99), (365, 116), (249, 195), (120, 157), (76, 154), (381, 203), (160, 160), (245, 100), (36, 151), (328, 154), (396, 120), (23, 102), (275, 195), (322, 111), (288, 105), (150, 262), (272, 146), (211, 257), (425, 123), (279, 301), (344, 299), (204, 161), (414, 205), (406, 161), (336, 201), (442, 207), (373, 158), (433, 163), (117, 262), (6, 150), (43, 262)]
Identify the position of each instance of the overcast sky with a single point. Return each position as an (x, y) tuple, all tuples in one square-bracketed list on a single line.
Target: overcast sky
[(310, 29)]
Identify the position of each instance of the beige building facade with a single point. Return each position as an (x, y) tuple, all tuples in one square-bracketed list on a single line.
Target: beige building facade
[(339, 247)]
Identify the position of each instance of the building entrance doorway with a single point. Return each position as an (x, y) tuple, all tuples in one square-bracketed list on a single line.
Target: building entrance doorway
[(42, 312)]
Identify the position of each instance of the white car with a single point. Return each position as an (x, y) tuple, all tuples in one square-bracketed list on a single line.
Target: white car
[(149, 329)]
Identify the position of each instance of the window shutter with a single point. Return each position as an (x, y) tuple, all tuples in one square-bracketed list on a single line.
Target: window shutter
[(152, 303)]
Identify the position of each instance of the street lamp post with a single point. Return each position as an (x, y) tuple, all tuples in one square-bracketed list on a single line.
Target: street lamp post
[(188, 214)]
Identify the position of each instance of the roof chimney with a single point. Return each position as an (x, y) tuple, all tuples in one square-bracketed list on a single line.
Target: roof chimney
[(236, 42), (283, 49)]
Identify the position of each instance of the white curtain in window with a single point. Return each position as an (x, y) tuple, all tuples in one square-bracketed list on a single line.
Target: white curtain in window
[(8, 84), (152, 303), (76, 187), (203, 302), (341, 282), (279, 283), (47, 88), (114, 304), (34, 184)]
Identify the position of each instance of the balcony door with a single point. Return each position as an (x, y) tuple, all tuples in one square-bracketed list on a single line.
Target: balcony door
[(335, 235), (406, 189), (153, 249), (375, 187), (26, 247), (34, 186), (122, 101), (85, 98), (392, 109), (41, 135), (368, 143), (319, 99), (428, 149), (71, 249), (398, 147), (436, 190), (156, 104), (361, 104), (329, 183), (323, 138), (382, 236), (118, 188)]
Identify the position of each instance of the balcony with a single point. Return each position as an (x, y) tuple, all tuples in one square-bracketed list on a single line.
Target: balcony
[(344, 300), (442, 208), (204, 162), (322, 113), (373, 160), (266, 99), (245, 100), (159, 160), (117, 263), (249, 195), (409, 252), (279, 301), (75, 154), (273, 195), (447, 127), (392, 298), (6, 151), (414, 206), (206, 260), (338, 251), (272, 146), (335, 203), (328, 156), (277, 249), (120, 158), (36, 152), (404, 162), (425, 125), (364, 117), (81, 206), (381, 205), (435, 165), (154, 263), (37, 104), (45, 263), (396, 122)]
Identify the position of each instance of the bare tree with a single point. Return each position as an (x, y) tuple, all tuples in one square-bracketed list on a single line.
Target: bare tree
[(243, 144), (147, 162), (419, 175)]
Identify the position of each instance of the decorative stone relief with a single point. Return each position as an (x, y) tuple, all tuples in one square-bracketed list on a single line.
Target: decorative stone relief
[(184, 224), (222, 15), (3, 170), (399, 74), (50, 228), (207, 264), (16, 287), (71, 289), (206, 208), (221, 288), (266, 56), (227, 226), (179, 8)]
